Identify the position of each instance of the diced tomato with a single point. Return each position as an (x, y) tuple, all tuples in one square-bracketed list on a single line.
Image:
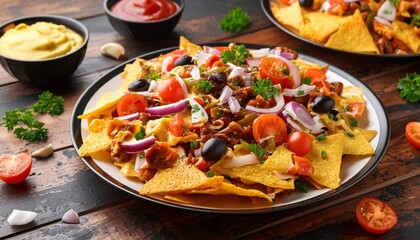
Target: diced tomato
[(301, 166), (318, 78), (202, 165), (177, 127), (131, 103), (269, 126), (168, 62), (277, 71), (15, 168), (212, 59), (299, 142), (285, 2), (170, 90), (337, 7), (412, 134), (375, 216), (356, 109)]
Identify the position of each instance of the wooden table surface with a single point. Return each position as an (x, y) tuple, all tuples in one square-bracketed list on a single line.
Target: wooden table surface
[(62, 181)]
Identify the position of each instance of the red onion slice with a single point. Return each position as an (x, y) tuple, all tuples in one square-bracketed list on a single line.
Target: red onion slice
[(299, 113), (276, 109), (225, 95), (71, 216), (19, 217), (129, 117), (195, 72), (167, 109), (234, 105), (300, 91), (244, 160), (137, 145), (236, 71)]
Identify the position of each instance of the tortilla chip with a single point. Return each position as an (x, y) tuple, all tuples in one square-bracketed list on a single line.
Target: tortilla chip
[(280, 160), (368, 134), (357, 144), (108, 100), (405, 33), (94, 142), (327, 170), (187, 199), (290, 16), (132, 72), (159, 128), (191, 48), (127, 169), (318, 26), (180, 178), (353, 35), (253, 174)]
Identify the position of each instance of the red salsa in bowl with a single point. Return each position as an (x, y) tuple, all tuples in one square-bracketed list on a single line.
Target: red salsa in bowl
[(144, 10)]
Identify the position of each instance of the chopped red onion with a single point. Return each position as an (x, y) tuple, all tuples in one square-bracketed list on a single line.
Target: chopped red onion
[(225, 95), (247, 79), (387, 11), (259, 53), (231, 65), (167, 109), (129, 117), (234, 105), (299, 113), (211, 50), (253, 62), (195, 72), (19, 217), (276, 109), (244, 160), (152, 86), (300, 91), (197, 152), (71, 216), (140, 162), (201, 57), (383, 21), (198, 114), (236, 71), (137, 145), (283, 176)]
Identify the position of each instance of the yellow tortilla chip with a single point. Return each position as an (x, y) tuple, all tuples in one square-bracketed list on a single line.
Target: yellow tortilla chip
[(354, 36), (191, 48), (318, 26), (290, 16), (357, 144), (327, 170), (280, 160), (253, 174), (180, 178), (132, 72), (95, 142), (159, 128), (107, 100), (127, 168), (368, 134), (405, 33)]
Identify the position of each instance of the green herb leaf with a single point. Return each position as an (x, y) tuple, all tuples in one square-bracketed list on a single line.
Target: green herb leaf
[(321, 137), (204, 85), (257, 149), (324, 154), (24, 125), (194, 144), (210, 174), (140, 134), (49, 103), (350, 135), (306, 80), (415, 19), (410, 87), (353, 122), (265, 88), (152, 75), (235, 20), (395, 2), (236, 55), (301, 185)]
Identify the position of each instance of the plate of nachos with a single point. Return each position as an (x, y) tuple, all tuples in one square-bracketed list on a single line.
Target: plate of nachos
[(388, 28), (228, 127)]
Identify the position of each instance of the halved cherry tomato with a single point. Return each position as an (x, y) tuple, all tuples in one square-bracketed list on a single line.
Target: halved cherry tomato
[(131, 103), (299, 142), (269, 125), (170, 90), (375, 216), (318, 78), (202, 165), (301, 166), (412, 133), (276, 70), (356, 109), (168, 62), (285, 2), (15, 168), (177, 126), (212, 59)]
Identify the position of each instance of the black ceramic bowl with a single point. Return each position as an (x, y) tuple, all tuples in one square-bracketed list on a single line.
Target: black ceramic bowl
[(49, 71), (143, 30)]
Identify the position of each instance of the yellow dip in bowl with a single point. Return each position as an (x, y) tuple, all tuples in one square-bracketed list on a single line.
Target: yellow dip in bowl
[(39, 41)]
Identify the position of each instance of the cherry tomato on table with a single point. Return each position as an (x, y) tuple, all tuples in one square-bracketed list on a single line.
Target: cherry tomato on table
[(299, 142), (131, 103), (412, 133), (170, 90), (177, 126), (15, 168), (276, 70), (269, 125), (375, 216)]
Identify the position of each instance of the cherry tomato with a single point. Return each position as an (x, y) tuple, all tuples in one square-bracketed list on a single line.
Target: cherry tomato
[(299, 142), (356, 110), (170, 91), (412, 133), (212, 59), (202, 165), (285, 2), (269, 125), (316, 75), (375, 216), (168, 62), (15, 168), (131, 103), (177, 126), (301, 166), (276, 70)]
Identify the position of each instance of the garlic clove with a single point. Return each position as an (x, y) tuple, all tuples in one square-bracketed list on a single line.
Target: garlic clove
[(19, 217), (71, 216), (113, 50), (43, 152)]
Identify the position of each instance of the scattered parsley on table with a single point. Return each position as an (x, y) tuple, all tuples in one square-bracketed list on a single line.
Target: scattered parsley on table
[(410, 87)]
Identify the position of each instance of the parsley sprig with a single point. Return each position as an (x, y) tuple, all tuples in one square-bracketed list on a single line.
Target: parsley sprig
[(152, 75), (235, 20), (236, 55), (23, 122), (415, 20), (410, 87), (204, 85), (265, 88)]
